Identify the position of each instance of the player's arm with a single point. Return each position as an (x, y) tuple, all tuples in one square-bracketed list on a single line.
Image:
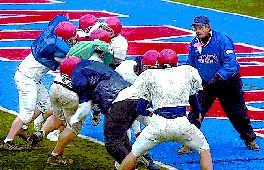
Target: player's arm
[(228, 57), (79, 85), (142, 86)]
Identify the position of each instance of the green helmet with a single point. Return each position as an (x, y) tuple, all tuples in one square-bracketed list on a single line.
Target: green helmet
[(85, 49)]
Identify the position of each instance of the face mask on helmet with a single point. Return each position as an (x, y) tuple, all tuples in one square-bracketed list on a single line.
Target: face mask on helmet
[(112, 25), (167, 58), (86, 22), (100, 35), (66, 31)]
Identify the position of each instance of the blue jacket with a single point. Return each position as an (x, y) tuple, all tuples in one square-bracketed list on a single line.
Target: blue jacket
[(95, 81), (217, 57), (48, 46)]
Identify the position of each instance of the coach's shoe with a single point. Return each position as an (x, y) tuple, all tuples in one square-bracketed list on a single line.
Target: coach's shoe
[(35, 138), (252, 146), (11, 146), (184, 150), (96, 118), (59, 160)]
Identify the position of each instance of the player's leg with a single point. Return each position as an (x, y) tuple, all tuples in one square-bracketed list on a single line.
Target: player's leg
[(57, 158), (27, 101), (142, 145), (233, 103), (191, 136), (116, 124), (69, 107), (42, 106), (206, 99)]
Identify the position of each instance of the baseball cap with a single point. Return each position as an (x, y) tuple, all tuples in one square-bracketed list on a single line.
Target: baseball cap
[(200, 20)]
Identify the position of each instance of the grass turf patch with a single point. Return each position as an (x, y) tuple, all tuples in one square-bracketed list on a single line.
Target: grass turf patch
[(252, 8), (86, 154)]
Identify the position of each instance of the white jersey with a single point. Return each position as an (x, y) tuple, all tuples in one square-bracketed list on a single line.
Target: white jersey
[(170, 87), (126, 70), (32, 68)]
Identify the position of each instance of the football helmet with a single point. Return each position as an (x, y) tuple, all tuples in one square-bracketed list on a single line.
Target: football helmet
[(66, 30), (150, 58), (67, 65), (168, 56), (112, 25), (101, 35), (87, 21)]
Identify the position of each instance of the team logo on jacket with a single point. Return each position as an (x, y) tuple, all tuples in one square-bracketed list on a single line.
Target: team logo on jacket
[(207, 58)]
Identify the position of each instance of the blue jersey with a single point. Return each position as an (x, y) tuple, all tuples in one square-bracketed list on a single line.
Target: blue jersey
[(48, 46), (217, 57), (95, 81)]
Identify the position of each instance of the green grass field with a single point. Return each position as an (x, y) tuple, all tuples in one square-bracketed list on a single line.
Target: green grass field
[(86, 154), (252, 8)]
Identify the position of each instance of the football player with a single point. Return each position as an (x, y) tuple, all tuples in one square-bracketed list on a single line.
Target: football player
[(170, 89), (47, 51)]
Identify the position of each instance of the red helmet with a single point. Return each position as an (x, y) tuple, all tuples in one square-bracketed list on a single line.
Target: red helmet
[(101, 35), (87, 21), (66, 30), (114, 24), (150, 58), (168, 56), (68, 64)]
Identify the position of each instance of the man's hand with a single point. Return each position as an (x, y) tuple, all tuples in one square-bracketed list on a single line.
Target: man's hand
[(151, 111)]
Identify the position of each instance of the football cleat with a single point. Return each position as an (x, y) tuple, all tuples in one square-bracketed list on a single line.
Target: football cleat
[(59, 160), (11, 146), (96, 118), (35, 138)]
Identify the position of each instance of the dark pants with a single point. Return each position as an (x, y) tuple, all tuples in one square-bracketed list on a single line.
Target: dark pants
[(119, 119), (231, 98)]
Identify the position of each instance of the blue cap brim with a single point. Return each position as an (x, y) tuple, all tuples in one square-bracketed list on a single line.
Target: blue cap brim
[(199, 24)]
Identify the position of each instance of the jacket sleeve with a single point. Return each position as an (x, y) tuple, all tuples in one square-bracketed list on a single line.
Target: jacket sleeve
[(228, 57)]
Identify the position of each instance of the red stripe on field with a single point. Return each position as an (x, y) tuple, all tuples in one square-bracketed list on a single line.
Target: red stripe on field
[(254, 96), (252, 71), (261, 131), (31, 34), (152, 32), (45, 16), (14, 54), (240, 48), (217, 111), (251, 59)]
